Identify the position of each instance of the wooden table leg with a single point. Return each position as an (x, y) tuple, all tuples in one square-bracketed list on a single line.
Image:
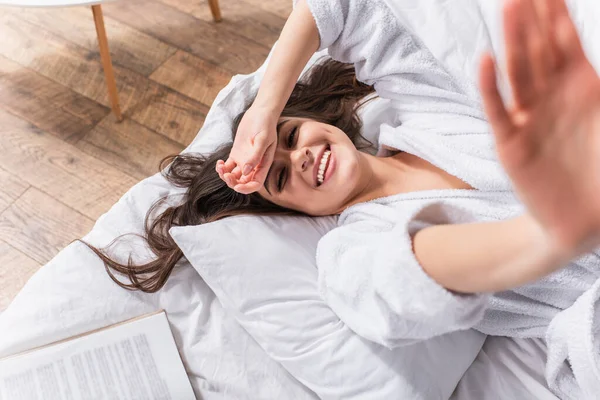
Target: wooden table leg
[(215, 10), (106, 61)]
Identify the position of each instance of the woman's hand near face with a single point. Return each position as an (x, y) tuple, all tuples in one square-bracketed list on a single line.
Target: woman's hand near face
[(253, 149), (549, 140), (254, 145)]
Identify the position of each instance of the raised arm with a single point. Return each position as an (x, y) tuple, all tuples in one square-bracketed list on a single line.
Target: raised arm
[(254, 145), (486, 257), (549, 143), (298, 42)]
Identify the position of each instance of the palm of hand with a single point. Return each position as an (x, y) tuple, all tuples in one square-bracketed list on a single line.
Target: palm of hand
[(549, 141), (553, 153)]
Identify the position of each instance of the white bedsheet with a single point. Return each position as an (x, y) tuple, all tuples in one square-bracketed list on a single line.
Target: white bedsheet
[(506, 369), (73, 294)]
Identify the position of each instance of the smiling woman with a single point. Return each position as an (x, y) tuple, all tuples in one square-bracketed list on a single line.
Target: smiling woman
[(317, 167), (320, 115)]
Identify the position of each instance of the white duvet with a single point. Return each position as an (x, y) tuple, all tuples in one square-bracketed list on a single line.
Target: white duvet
[(73, 294)]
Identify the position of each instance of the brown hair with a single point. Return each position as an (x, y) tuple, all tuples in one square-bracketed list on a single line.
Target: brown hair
[(328, 93)]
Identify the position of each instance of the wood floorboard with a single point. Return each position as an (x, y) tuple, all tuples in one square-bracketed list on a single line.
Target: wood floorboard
[(46, 104), (64, 62), (277, 7), (128, 146), (38, 225), (171, 114), (15, 269), (10, 189), (129, 47), (192, 76), (144, 100), (87, 184), (207, 40), (240, 17)]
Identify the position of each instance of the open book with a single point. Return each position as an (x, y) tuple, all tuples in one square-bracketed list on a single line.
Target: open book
[(135, 359)]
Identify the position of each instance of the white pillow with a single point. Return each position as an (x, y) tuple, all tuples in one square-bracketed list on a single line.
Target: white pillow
[(263, 270)]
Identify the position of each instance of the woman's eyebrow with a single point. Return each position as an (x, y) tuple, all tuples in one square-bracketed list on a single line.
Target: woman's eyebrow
[(267, 179)]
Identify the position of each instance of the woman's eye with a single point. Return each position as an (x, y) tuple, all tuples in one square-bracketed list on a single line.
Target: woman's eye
[(292, 137), (280, 180)]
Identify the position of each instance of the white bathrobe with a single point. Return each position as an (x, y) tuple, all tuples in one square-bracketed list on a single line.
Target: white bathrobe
[(368, 273)]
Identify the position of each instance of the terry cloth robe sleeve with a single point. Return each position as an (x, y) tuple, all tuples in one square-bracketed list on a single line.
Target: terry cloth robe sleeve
[(370, 277), (386, 54)]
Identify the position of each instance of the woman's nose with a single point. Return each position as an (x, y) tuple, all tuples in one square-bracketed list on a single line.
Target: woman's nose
[(301, 159)]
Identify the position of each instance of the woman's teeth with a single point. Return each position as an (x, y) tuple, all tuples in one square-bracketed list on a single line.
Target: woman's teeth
[(323, 166)]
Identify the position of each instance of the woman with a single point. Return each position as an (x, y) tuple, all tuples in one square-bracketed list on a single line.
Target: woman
[(328, 93), (412, 258), (303, 151), (540, 163)]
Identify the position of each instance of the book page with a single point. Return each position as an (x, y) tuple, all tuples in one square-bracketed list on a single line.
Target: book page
[(133, 360)]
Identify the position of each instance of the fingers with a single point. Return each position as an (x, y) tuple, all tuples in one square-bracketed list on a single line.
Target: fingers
[(265, 164), (539, 38), (232, 178), (559, 9), (247, 188), (494, 106), (231, 174), (228, 165), (254, 181), (229, 179), (220, 169), (562, 33), (245, 184), (547, 13), (519, 72), (528, 50), (246, 178), (260, 145), (567, 38), (225, 169)]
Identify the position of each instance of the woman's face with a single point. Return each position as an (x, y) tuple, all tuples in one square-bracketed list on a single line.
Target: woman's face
[(316, 169)]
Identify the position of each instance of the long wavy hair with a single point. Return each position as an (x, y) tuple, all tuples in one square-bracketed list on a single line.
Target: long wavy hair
[(327, 93)]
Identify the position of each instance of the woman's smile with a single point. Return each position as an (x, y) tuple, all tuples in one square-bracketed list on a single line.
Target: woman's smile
[(328, 165), (321, 165)]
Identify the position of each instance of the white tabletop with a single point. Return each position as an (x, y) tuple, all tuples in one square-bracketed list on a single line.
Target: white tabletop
[(50, 3)]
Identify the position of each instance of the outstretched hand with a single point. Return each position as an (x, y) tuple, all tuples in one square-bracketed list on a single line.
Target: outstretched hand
[(549, 139)]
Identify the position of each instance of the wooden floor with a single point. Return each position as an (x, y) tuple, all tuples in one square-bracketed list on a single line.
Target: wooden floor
[(64, 160)]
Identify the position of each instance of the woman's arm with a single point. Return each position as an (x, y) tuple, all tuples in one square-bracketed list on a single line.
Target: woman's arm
[(488, 256), (298, 41), (254, 145), (548, 144)]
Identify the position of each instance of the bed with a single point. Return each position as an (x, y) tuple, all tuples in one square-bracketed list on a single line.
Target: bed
[(73, 294)]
